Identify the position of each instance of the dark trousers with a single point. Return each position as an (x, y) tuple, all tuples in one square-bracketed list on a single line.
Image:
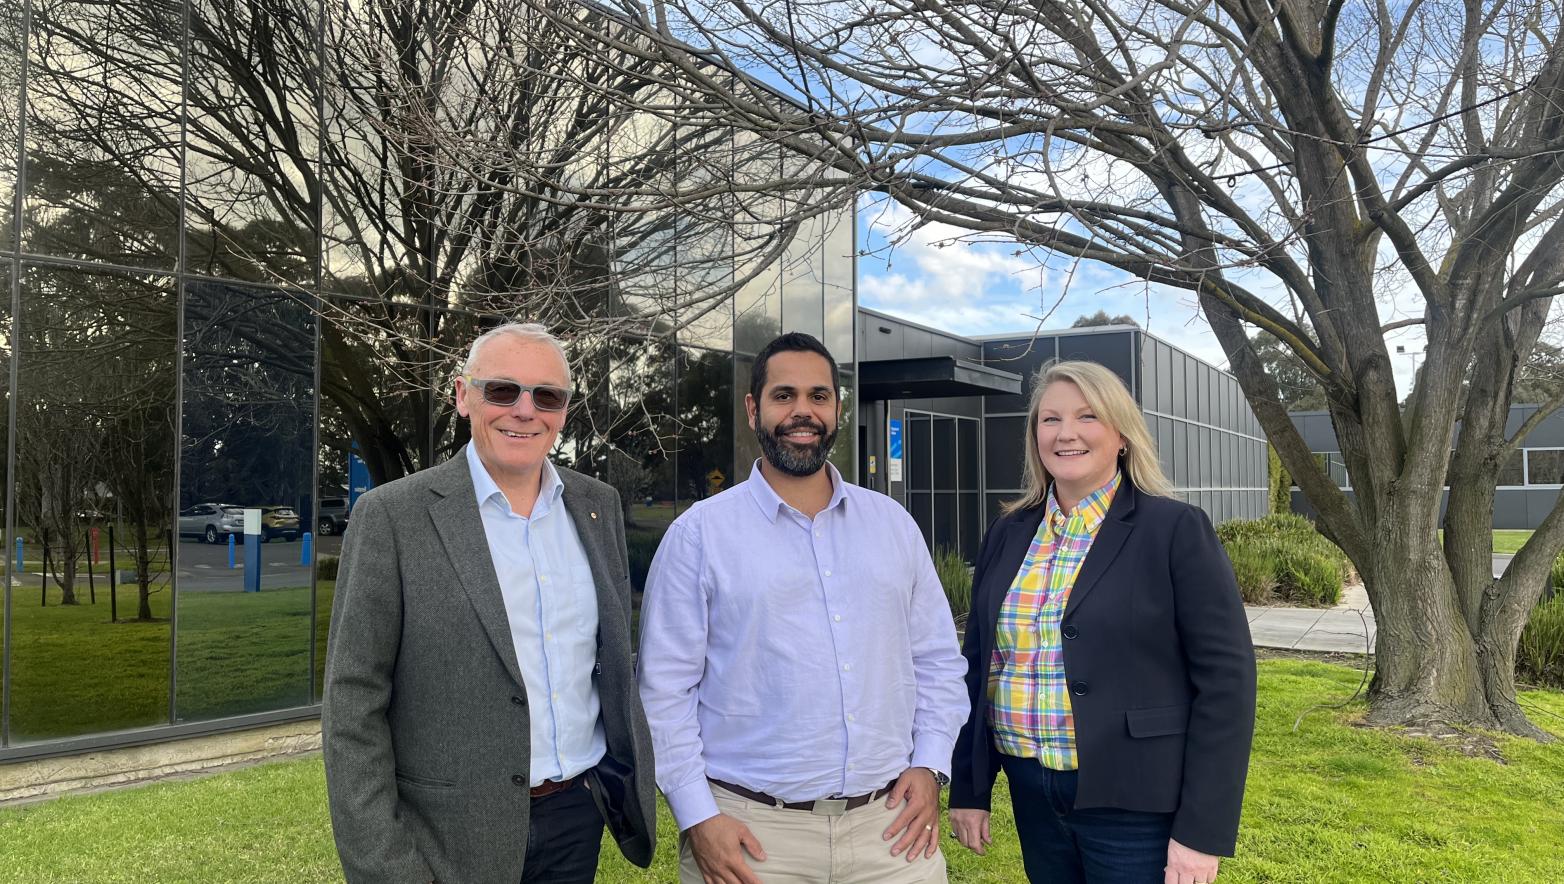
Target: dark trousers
[(1100, 845), (564, 836)]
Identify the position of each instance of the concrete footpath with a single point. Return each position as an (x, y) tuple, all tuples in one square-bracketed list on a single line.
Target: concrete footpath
[(1346, 628)]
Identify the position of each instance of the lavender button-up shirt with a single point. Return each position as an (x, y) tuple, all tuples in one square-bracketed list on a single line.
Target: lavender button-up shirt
[(803, 658)]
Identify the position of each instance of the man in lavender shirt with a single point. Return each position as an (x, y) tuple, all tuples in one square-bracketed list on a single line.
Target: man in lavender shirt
[(799, 666)]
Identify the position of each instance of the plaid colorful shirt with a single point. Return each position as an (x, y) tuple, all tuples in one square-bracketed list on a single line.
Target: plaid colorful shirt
[(1028, 697)]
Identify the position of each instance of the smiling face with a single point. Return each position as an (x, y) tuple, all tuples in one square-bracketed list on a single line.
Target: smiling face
[(795, 419), (1079, 450), (513, 440)]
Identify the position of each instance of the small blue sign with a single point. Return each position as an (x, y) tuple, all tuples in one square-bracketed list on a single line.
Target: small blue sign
[(895, 440)]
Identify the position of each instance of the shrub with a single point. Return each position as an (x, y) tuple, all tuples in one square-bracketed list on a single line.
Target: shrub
[(1282, 556), (641, 545), (1255, 568), (955, 575), (1540, 656), (326, 567), (1556, 578)]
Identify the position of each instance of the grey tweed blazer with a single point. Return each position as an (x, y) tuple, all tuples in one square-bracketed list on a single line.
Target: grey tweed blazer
[(425, 712)]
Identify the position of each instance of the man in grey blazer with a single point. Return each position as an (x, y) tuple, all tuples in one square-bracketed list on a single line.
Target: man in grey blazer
[(481, 716)]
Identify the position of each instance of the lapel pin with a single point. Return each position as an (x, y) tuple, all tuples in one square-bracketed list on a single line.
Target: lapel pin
[(594, 515)]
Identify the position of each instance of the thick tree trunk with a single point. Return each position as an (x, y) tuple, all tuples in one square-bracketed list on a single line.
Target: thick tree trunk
[(1426, 666)]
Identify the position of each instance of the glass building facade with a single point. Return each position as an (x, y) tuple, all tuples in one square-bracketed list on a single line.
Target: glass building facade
[(243, 250)]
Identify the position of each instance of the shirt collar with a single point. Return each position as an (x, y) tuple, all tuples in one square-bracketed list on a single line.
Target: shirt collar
[(485, 488), (1092, 509), (771, 503)]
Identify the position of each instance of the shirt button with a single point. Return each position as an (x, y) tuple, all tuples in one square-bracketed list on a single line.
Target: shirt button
[(851, 717), (817, 534), (837, 618), (555, 695), (847, 667), (518, 701), (828, 572)]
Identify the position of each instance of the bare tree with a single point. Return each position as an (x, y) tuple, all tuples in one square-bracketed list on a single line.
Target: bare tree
[(1301, 167)]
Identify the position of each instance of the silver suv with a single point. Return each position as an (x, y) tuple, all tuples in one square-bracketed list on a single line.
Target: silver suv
[(211, 522), (333, 516)]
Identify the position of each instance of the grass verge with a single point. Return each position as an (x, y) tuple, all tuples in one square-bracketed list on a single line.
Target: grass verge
[(1333, 802)]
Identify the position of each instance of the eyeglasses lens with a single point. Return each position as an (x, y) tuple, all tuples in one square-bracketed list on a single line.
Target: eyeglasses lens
[(544, 398)]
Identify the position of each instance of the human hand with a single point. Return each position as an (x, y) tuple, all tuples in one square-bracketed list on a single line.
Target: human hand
[(971, 828), (718, 844), (918, 823), (1188, 866)]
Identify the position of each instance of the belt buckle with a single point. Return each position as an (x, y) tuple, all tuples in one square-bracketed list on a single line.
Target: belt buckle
[(829, 807)]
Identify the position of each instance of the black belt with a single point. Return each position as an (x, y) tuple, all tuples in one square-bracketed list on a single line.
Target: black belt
[(829, 806)]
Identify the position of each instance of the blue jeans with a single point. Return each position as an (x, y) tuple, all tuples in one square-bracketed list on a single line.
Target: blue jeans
[(1099, 845), (564, 835)]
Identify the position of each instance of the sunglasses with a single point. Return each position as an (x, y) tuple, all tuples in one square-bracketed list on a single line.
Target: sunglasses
[(496, 391)]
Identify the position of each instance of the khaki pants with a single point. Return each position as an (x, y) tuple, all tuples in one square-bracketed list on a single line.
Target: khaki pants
[(807, 848)]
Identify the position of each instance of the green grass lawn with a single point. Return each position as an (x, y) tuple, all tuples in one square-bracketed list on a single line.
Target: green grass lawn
[(73, 671), (1330, 803), (1509, 542)]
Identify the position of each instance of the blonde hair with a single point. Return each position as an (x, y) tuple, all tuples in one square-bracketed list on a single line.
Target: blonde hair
[(1114, 405)]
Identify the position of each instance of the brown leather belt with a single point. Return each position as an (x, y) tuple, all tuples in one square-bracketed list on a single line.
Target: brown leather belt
[(551, 787), (828, 806)]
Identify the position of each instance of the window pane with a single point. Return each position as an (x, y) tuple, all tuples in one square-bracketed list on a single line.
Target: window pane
[(1546, 468), (967, 454), (251, 140), (244, 643), (1005, 451), (840, 284), (917, 446), (944, 465), (758, 305), (622, 429), (844, 454), (94, 503), (10, 117), (705, 245), (803, 280), (705, 424), (103, 131)]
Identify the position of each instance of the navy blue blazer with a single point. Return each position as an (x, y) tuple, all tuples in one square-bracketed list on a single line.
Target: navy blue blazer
[(1159, 661)]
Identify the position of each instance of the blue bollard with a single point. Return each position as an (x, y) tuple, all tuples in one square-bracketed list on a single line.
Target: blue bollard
[(306, 547), (18, 553), (231, 543)]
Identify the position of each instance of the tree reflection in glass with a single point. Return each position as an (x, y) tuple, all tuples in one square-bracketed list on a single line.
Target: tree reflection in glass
[(94, 483), (248, 442)]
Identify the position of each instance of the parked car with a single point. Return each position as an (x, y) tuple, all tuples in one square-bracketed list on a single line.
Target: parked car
[(279, 521), (212, 522), (333, 517)]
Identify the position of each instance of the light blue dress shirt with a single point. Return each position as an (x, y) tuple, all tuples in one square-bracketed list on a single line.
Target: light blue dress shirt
[(801, 658), (551, 603)]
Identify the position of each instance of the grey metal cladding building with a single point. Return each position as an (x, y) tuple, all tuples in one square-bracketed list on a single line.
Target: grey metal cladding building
[(962, 407), (1529, 481)]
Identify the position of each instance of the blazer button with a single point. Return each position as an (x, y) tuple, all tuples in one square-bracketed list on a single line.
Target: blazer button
[(518, 701), (519, 780), (1069, 631), (597, 669), (1079, 689)]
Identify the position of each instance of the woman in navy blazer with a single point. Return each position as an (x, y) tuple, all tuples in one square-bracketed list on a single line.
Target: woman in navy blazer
[(1156, 654)]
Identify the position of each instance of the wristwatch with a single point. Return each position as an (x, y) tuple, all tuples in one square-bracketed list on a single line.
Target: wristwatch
[(939, 778)]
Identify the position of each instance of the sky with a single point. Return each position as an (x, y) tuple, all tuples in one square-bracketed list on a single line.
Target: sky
[(995, 288)]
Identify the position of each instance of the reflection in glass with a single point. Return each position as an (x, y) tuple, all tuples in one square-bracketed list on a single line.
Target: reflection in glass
[(705, 424), (244, 641), (620, 429), (94, 495), (705, 245), (840, 284), (5, 434), (757, 234), (10, 116), (746, 448), (845, 453), (380, 378), (250, 135), (803, 279), (103, 131)]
